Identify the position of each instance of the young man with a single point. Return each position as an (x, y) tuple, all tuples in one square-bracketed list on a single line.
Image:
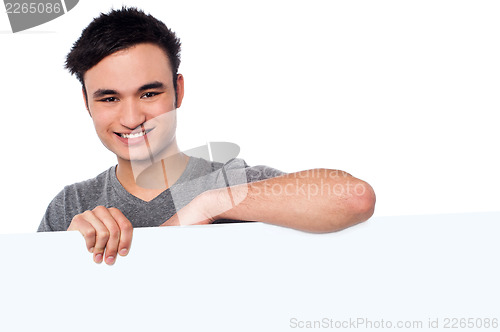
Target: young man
[(127, 62)]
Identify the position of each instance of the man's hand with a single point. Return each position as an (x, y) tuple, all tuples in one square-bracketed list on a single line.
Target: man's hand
[(104, 229), (198, 212)]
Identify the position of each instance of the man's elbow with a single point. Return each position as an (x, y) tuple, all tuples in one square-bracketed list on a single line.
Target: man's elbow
[(362, 202), (358, 207)]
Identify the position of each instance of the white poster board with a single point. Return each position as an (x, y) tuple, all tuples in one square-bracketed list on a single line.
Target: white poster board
[(258, 277)]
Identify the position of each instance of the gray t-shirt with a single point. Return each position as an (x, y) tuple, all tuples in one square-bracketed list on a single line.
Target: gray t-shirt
[(105, 189)]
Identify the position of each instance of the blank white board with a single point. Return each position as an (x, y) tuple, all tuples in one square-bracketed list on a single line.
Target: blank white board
[(258, 277)]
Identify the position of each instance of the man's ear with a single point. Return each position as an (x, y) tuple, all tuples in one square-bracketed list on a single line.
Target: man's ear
[(180, 90), (86, 100)]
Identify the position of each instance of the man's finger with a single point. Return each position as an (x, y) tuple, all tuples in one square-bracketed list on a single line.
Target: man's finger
[(86, 229), (126, 231), (113, 231), (101, 237)]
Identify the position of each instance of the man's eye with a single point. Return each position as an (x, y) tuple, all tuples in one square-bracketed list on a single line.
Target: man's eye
[(150, 94), (109, 99)]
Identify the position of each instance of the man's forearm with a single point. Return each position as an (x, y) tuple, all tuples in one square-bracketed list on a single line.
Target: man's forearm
[(318, 200)]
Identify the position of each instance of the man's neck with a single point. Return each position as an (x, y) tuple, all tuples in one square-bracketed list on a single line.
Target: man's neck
[(146, 180)]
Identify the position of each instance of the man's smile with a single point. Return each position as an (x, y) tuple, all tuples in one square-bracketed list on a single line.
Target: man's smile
[(134, 135), (134, 138)]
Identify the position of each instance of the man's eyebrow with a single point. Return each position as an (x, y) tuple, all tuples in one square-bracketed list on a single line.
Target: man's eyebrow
[(152, 85), (103, 92)]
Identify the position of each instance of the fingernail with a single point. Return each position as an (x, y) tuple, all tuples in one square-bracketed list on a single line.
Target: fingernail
[(98, 258), (91, 249), (124, 251), (110, 260)]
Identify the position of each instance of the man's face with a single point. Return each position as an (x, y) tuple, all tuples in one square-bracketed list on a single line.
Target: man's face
[(132, 102)]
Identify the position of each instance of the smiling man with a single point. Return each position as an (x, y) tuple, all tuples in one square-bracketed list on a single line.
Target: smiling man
[(127, 63)]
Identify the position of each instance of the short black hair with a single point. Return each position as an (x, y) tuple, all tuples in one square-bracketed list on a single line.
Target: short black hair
[(118, 30)]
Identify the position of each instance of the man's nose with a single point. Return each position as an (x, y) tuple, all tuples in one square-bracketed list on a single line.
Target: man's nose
[(131, 115)]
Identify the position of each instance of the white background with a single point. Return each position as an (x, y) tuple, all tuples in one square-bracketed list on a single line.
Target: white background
[(402, 94)]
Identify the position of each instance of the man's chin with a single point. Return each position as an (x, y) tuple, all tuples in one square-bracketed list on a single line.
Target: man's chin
[(139, 159)]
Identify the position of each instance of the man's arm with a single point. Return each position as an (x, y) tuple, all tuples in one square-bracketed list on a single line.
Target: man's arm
[(318, 200)]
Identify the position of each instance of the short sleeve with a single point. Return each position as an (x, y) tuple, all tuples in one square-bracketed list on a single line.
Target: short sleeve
[(54, 218), (237, 171), (261, 172)]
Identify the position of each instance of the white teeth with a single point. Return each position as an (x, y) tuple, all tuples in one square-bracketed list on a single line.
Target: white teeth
[(139, 134)]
